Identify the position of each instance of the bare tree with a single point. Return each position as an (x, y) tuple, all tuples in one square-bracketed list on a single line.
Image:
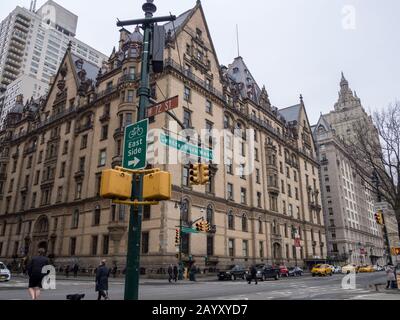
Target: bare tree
[(376, 153)]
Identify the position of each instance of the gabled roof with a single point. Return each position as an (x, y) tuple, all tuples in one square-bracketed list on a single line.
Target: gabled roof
[(91, 69), (179, 22), (322, 122), (291, 113), (239, 73), (183, 19)]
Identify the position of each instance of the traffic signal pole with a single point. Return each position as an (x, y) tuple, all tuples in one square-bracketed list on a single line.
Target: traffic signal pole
[(136, 212)]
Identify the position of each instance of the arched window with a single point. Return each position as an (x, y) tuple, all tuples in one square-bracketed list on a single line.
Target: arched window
[(75, 219), (97, 215), (185, 211), (231, 221), (210, 214), (244, 223), (42, 226), (260, 226)]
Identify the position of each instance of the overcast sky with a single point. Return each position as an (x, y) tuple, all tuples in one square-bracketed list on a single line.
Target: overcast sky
[(291, 46)]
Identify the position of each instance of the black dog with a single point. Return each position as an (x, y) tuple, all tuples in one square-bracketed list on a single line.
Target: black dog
[(75, 297)]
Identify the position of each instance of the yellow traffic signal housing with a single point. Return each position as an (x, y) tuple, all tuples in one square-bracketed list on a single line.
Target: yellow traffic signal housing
[(157, 186), (205, 174), (116, 185), (194, 174), (199, 226)]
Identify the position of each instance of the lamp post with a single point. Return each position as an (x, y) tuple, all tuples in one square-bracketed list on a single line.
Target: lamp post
[(136, 212)]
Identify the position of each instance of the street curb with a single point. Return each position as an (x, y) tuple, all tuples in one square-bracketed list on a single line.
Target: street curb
[(379, 287)]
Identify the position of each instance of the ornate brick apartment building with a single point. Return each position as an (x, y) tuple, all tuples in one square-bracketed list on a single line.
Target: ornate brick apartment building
[(54, 150)]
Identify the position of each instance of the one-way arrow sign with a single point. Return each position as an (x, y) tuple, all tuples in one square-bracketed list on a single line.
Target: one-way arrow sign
[(135, 146)]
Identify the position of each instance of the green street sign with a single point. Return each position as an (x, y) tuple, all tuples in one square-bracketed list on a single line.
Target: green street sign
[(185, 147), (135, 145), (189, 230)]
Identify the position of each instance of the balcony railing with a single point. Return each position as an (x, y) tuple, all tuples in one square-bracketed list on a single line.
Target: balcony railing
[(171, 63), (129, 78)]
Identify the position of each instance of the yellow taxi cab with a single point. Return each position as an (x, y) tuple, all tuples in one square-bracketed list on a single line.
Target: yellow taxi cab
[(366, 269), (350, 268), (322, 270)]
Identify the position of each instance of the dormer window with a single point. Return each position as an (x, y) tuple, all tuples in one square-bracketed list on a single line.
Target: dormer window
[(198, 33)]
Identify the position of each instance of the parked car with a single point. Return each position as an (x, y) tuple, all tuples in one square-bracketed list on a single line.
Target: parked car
[(366, 269), (380, 268), (270, 272), (322, 270), (295, 272), (233, 273), (349, 269), (332, 268), (283, 271), (338, 270), (5, 274)]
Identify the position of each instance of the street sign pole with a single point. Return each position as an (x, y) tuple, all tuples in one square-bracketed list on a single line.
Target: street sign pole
[(136, 212)]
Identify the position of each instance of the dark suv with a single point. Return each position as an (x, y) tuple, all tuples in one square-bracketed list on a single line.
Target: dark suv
[(233, 273), (265, 272)]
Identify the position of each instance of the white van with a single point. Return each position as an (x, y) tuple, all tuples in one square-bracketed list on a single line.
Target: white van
[(5, 274)]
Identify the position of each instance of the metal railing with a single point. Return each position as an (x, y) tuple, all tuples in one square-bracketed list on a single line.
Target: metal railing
[(171, 63)]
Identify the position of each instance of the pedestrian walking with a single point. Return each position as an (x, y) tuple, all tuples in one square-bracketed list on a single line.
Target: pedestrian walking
[(67, 269), (252, 275), (170, 273), (176, 273), (35, 274), (102, 275), (114, 271), (75, 269), (391, 277), (192, 273)]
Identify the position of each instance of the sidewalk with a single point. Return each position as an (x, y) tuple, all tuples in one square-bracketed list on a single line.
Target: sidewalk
[(121, 280), (380, 287)]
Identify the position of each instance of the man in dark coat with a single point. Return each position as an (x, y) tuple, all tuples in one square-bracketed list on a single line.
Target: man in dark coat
[(67, 271), (75, 270), (253, 275), (35, 274), (170, 273), (102, 275), (176, 273)]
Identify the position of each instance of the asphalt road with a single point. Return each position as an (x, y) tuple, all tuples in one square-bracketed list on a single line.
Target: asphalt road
[(302, 288)]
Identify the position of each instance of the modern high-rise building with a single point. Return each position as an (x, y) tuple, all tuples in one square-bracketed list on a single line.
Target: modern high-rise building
[(349, 205), (33, 43), (263, 199)]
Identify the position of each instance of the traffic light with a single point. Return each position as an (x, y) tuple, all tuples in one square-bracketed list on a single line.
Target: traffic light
[(194, 174), (157, 186), (205, 174), (206, 226), (379, 218), (116, 185), (199, 226), (178, 237)]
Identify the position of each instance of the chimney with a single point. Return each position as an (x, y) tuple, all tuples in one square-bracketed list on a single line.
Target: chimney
[(124, 34)]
